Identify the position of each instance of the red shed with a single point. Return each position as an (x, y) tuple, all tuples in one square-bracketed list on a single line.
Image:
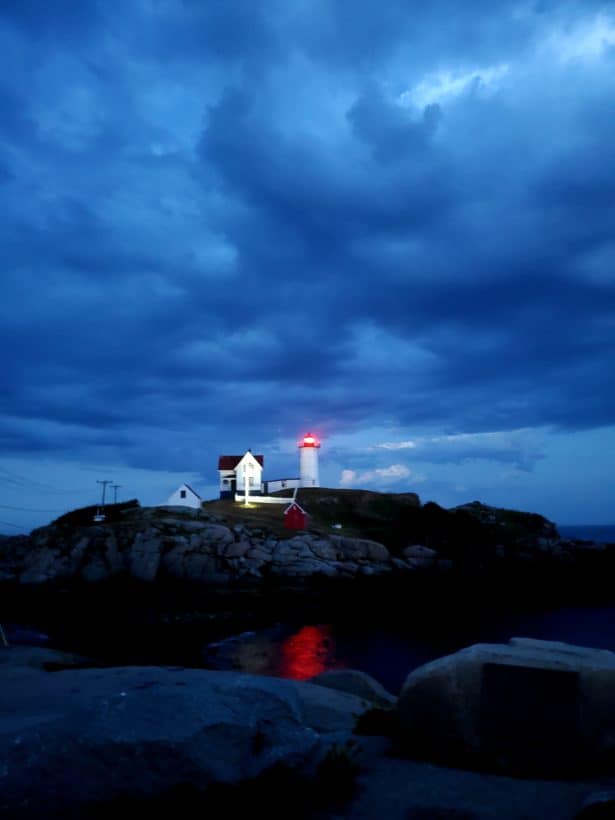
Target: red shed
[(295, 517)]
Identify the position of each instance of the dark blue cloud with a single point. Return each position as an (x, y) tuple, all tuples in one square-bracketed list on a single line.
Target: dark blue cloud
[(389, 130), (257, 217), (57, 19)]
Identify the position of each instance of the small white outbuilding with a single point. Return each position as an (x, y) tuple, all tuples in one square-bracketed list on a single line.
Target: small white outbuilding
[(184, 496)]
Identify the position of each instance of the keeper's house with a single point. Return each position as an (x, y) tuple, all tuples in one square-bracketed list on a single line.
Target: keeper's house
[(235, 470)]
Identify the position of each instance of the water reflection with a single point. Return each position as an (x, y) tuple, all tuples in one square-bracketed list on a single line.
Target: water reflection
[(308, 652), (283, 652), (389, 654)]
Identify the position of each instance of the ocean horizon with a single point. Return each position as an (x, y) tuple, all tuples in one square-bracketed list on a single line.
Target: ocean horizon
[(600, 533)]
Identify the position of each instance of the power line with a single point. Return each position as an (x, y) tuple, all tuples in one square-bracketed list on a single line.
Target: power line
[(12, 481), (22, 481), (8, 524), (24, 478), (32, 485), (10, 472), (27, 509)]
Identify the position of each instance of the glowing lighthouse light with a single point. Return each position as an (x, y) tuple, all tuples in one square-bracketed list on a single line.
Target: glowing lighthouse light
[(308, 461)]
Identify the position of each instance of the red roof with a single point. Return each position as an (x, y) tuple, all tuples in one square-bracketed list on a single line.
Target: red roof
[(230, 462)]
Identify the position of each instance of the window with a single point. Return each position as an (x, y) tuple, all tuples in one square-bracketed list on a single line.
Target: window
[(182, 493), (283, 484), (225, 482)]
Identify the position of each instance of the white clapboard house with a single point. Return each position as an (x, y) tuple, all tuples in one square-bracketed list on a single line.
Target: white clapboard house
[(235, 470)]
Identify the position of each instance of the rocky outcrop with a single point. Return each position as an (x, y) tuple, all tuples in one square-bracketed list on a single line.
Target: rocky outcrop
[(150, 544), (420, 556), (81, 735), (525, 524), (529, 707), (156, 543)]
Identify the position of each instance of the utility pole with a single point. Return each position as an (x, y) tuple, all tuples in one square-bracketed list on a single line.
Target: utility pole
[(115, 489), (104, 488)]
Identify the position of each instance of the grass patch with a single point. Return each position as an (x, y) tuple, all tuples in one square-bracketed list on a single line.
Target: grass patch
[(84, 516)]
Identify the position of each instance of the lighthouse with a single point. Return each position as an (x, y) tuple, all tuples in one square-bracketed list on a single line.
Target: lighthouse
[(308, 461)]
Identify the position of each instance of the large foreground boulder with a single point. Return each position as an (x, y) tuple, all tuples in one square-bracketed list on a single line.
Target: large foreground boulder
[(72, 737), (530, 707)]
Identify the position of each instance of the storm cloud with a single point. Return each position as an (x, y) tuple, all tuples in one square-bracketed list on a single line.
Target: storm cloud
[(225, 223)]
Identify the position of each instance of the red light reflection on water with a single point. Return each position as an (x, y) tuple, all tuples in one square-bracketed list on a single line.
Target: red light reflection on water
[(308, 652)]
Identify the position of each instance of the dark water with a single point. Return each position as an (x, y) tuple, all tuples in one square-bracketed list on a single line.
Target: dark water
[(388, 656), (386, 634), (601, 533)]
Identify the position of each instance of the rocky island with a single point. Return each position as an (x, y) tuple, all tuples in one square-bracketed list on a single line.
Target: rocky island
[(351, 533)]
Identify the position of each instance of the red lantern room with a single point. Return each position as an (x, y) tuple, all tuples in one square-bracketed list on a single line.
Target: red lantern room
[(309, 441)]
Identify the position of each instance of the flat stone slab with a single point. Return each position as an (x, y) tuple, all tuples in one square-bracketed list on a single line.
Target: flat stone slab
[(80, 735)]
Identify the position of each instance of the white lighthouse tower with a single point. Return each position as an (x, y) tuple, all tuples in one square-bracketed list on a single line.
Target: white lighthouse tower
[(308, 461)]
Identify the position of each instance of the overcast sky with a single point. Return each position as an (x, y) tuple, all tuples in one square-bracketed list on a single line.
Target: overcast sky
[(227, 222)]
